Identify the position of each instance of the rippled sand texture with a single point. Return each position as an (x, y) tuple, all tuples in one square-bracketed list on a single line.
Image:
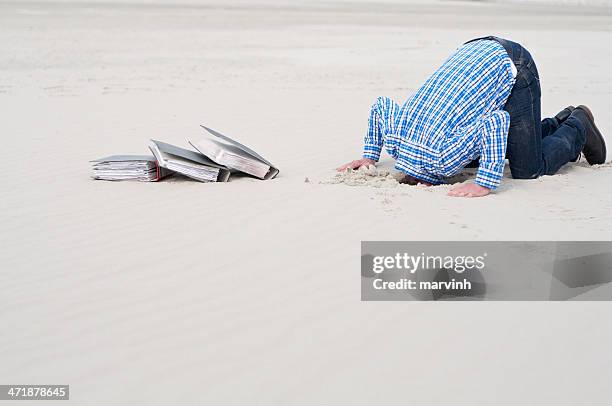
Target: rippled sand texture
[(247, 292)]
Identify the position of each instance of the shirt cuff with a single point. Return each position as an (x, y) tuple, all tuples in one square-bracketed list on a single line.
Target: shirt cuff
[(490, 175), (372, 151)]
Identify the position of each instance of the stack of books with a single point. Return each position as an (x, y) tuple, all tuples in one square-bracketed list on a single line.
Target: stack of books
[(214, 158)]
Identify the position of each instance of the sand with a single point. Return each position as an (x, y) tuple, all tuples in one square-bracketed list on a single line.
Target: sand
[(365, 176), (247, 292)]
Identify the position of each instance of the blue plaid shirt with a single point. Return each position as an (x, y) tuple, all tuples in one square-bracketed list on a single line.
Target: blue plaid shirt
[(455, 117)]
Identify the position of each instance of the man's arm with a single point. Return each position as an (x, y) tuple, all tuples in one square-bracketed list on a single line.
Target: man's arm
[(380, 123), (493, 149), (494, 134)]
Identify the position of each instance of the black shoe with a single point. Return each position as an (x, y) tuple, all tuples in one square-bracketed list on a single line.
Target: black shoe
[(564, 114), (594, 149)]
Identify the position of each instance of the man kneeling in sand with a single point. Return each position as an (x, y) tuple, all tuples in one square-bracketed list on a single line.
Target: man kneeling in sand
[(481, 106)]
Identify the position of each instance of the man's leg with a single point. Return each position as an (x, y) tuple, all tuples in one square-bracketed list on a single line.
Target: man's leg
[(564, 144), (550, 125), (534, 151)]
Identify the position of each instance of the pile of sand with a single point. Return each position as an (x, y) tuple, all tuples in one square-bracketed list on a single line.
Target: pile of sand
[(365, 176)]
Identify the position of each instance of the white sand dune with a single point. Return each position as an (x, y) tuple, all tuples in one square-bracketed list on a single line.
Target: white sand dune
[(248, 292)]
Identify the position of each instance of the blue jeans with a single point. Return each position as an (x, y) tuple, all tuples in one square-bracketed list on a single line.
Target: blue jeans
[(536, 147)]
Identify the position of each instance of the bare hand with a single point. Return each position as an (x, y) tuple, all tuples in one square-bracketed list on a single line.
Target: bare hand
[(356, 164), (469, 190)]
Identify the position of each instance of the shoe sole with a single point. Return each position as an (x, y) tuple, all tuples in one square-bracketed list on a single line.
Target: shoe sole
[(601, 138)]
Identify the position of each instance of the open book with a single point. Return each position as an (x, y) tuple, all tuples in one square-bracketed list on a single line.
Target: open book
[(143, 168), (188, 163), (233, 155)]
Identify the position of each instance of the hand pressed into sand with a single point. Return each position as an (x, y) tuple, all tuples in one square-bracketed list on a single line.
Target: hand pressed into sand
[(469, 190), (357, 164)]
